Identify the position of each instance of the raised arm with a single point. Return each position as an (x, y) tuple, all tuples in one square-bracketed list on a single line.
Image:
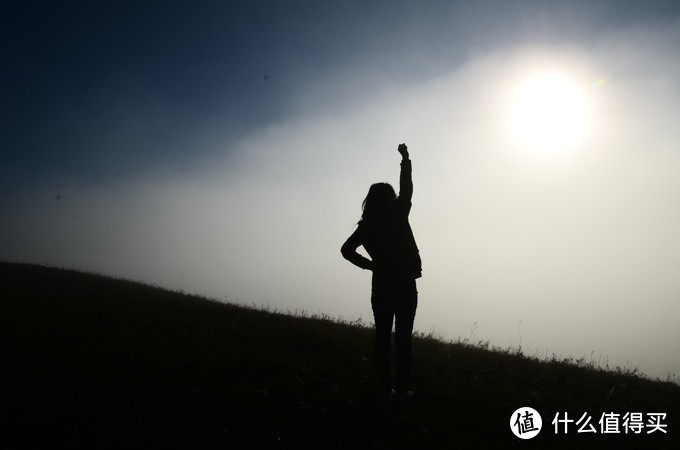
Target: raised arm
[(405, 180)]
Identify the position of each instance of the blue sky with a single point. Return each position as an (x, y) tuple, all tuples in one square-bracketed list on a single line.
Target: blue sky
[(224, 148), (79, 75)]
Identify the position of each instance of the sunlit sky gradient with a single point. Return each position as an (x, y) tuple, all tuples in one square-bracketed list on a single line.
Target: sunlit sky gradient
[(224, 148)]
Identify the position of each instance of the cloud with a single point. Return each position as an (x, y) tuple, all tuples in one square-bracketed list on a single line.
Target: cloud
[(581, 248)]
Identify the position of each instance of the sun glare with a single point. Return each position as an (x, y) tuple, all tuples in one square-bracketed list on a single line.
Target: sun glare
[(548, 112)]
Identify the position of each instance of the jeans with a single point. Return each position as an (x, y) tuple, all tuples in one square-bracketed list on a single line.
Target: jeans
[(393, 300)]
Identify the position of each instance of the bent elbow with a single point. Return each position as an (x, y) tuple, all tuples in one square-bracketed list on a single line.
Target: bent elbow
[(346, 251)]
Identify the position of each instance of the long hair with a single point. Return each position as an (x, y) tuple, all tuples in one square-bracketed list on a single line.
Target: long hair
[(377, 201)]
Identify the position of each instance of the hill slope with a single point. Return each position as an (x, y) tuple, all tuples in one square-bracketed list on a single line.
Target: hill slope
[(94, 362)]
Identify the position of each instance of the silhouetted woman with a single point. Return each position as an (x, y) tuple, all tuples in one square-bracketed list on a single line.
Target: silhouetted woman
[(385, 233)]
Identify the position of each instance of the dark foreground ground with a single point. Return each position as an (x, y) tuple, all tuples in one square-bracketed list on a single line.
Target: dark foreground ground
[(92, 362)]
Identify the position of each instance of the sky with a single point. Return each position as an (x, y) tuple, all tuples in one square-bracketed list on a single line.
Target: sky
[(224, 149)]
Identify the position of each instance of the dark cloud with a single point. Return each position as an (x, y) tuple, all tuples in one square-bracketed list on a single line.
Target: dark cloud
[(111, 89)]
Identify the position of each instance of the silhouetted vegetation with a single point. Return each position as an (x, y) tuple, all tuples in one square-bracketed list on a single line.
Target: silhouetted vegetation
[(94, 362)]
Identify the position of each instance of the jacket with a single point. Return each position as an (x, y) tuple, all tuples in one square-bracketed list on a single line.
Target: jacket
[(388, 239)]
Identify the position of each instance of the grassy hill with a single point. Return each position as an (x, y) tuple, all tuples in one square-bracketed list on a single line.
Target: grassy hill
[(94, 362)]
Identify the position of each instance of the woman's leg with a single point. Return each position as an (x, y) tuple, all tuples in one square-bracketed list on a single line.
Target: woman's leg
[(405, 315), (383, 315)]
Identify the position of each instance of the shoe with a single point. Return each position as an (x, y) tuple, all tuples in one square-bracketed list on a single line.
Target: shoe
[(404, 396), (387, 396)]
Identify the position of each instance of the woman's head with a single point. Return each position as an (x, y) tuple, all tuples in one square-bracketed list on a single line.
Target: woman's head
[(379, 196)]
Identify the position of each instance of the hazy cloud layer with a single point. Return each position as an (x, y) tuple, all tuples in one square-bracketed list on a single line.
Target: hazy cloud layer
[(570, 253)]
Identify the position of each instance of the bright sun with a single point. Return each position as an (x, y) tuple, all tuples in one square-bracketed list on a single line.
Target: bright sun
[(548, 112)]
